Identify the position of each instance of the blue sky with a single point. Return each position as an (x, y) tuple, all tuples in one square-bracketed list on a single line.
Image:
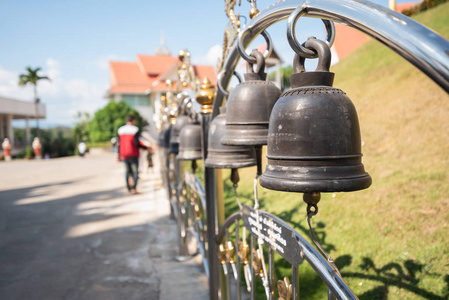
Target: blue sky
[(72, 41)]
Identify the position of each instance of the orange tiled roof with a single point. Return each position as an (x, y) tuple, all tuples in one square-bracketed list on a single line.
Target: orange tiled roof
[(401, 6), (129, 89), (348, 39), (144, 75), (127, 73), (206, 71), (156, 65)]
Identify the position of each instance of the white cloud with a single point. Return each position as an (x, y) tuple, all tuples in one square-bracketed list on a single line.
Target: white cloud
[(9, 86), (211, 58), (103, 62), (63, 97)]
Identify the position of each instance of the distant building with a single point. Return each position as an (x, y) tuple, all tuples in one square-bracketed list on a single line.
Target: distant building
[(12, 109), (348, 39), (142, 83)]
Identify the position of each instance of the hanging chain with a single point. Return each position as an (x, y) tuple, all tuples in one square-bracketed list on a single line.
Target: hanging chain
[(312, 200), (235, 185)]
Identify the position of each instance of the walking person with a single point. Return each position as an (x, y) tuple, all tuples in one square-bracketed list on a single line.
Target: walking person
[(128, 144), (82, 148)]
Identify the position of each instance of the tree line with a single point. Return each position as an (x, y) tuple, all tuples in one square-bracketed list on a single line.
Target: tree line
[(96, 130)]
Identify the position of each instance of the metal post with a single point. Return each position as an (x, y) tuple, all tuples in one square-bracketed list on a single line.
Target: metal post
[(2, 127), (206, 98), (27, 131)]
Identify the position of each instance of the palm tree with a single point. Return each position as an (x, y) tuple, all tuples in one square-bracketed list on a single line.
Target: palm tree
[(31, 77)]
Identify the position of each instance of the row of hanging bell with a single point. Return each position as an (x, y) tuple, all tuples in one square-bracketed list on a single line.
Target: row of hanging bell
[(243, 124), (190, 142), (314, 142), (163, 139), (313, 138), (180, 123)]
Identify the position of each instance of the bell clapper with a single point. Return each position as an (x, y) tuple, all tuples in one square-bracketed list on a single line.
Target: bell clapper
[(259, 159), (235, 178), (312, 200), (194, 166)]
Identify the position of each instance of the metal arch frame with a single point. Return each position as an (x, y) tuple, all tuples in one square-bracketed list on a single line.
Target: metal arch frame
[(421, 46)]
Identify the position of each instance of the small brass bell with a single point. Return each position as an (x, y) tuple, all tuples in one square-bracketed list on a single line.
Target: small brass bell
[(190, 143), (226, 157), (249, 107), (181, 121), (163, 139), (314, 142)]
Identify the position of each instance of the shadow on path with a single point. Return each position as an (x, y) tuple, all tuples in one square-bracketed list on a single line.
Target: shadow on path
[(93, 245)]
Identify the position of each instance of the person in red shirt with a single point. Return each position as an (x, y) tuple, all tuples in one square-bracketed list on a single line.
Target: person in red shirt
[(128, 144)]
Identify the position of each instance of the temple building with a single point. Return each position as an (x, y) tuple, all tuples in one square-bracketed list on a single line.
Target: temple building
[(12, 109), (141, 83)]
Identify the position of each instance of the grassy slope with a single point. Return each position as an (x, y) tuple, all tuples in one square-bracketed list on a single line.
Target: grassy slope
[(390, 241)]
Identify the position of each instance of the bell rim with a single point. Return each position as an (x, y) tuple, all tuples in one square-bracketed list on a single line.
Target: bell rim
[(316, 157), (346, 184), (188, 158), (216, 164), (243, 141)]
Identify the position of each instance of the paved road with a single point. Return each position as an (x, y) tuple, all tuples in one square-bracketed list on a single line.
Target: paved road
[(69, 230)]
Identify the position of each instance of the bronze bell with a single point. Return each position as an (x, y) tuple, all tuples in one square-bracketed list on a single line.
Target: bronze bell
[(163, 139), (249, 107), (181, 121), (226, 157), (190, 143), (314, 142)]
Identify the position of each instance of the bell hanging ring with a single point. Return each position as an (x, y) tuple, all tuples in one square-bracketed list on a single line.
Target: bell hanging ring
[(314, 142), (249, 106)]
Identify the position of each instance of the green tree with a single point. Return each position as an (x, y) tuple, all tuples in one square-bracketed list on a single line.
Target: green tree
[(285, 77), (81, 130), (32, 77), (56, 142), (107, 120)]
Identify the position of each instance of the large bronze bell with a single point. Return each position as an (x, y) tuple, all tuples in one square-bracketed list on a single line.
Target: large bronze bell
[(163, 139), (314, 142), (181, 121), (249, 107), (190, 143), (226, 157)]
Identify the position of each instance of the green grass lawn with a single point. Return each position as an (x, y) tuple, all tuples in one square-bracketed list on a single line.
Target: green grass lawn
[(390, 241)]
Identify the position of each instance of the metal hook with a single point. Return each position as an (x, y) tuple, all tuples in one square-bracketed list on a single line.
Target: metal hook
[(260, 64), (242, 51), (291, 34), (246, 19), (220, 76), (321, 49)]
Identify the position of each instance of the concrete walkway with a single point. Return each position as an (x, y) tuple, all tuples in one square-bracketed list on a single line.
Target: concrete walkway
[(69, 230)]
